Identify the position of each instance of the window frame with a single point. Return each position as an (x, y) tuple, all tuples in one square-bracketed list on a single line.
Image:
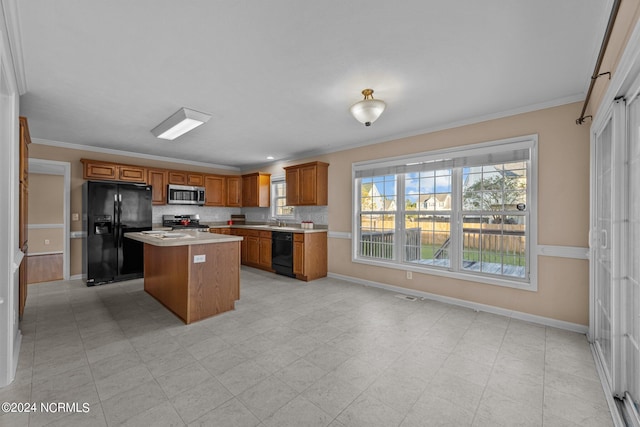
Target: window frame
[(455, 270), (275, 180)]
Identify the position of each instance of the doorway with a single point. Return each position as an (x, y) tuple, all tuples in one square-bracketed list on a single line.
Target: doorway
[(49, 228)]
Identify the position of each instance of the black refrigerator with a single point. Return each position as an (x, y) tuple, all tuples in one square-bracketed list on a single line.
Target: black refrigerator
[(111, 209)]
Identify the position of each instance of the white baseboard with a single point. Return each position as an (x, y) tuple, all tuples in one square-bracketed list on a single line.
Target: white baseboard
[(78, 277), (546, 321)]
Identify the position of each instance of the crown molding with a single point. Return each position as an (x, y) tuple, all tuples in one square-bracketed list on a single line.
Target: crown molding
[(71, 146), (436, 128), (12, 22)]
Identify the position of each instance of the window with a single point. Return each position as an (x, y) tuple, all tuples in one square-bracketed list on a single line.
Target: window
[(461, 212), (279, 208)]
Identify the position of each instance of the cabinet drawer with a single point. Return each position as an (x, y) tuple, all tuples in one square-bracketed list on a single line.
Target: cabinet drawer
[(298, 237), (265, 235)]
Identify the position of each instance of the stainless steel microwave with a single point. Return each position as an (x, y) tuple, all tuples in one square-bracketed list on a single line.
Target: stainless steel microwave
[(185, 195)]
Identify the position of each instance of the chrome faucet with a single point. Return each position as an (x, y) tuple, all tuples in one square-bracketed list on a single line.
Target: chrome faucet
[(277, 222)]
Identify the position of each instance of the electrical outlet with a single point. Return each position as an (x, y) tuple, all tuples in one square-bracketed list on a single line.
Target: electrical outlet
[(409, 275), (199, 258), (47, 241), (74, 216)]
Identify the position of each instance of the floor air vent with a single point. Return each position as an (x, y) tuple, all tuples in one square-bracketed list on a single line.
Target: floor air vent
[(406, 297)]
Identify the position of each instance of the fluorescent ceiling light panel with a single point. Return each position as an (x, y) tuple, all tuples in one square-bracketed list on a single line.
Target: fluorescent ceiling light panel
[(181, 122)]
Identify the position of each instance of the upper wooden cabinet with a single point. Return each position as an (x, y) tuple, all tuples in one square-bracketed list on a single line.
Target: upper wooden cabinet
[(307, 184), (214, 186), (195, 179), (186, 178), (256, 190), (234, 191), (93, 169), (157, 179), (177, 177)]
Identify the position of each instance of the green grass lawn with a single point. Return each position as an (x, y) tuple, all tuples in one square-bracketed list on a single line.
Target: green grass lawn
[(489, 256)]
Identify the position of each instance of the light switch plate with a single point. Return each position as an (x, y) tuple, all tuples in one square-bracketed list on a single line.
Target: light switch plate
[(199, 258)]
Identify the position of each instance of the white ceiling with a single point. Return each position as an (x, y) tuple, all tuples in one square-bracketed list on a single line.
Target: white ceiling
[(279, 76)]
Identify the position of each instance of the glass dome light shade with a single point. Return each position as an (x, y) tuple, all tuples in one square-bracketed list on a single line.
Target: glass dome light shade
[(367, 111)]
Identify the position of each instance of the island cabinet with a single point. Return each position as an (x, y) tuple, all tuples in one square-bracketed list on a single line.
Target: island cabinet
[(93, 169), (157, 179), (307, 184), (196, 276), (309, 255), (214, 190), (234, 191), (256, 190)]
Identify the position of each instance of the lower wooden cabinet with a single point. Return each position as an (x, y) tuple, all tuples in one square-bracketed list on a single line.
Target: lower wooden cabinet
[(309, 255), (265, 250), (309, 251)]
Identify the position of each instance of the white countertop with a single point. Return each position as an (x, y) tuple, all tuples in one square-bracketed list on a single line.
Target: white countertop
[(181, 237), (273, 228)]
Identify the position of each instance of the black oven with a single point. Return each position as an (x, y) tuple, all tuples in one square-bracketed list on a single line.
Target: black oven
[(282, 253)]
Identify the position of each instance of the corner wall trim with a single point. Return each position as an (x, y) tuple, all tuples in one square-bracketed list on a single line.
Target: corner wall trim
[(574, 252), (546, 321)]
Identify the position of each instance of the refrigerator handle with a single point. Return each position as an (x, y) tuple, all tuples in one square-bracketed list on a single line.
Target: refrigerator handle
[(116, 232), (120, 237)]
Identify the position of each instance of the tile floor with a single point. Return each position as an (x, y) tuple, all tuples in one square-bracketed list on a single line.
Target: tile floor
[(324, 353)]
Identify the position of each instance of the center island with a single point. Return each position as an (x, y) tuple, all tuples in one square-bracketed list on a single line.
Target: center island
[(194, 274)]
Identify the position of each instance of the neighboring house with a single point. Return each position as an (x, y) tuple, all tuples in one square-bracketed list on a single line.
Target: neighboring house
[(374, 200), (438, 202)]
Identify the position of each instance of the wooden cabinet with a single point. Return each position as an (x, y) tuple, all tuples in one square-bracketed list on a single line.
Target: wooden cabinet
[(234, 191), (243, 244), (224, 230), (177, 177), (214, 186), (309, 255), (195, 179), (307, 184), (93, 169), (256, 190), (255, 248), (265, 250), (157, 179), (131, 173), (186, 178), (23, 214)]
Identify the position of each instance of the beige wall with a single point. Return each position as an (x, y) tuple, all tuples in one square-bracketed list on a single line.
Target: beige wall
[(46, 199), (563, 211)]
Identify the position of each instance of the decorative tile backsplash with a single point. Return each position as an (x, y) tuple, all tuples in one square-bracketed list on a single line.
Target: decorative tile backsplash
[(318, 214)]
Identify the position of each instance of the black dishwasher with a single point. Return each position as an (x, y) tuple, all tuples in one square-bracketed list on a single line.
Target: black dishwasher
[(282, 253)]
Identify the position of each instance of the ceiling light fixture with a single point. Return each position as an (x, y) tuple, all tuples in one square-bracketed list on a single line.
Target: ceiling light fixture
[(368, 110), (181, 122), (270, 157)]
